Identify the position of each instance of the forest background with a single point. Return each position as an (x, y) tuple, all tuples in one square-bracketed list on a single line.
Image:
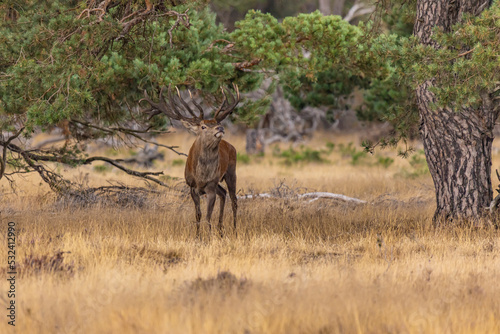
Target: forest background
[(391, 104)]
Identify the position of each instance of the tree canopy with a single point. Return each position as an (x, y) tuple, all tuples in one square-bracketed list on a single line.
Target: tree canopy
[(88, 63)]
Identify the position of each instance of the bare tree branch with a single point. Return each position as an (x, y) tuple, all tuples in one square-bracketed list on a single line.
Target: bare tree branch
[(57, 182), (132, 133), (181, 19), (5, 145), (359, 9)]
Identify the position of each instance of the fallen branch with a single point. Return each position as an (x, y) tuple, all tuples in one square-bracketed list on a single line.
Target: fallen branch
[(317, 195), (313, 197), (263, 195)]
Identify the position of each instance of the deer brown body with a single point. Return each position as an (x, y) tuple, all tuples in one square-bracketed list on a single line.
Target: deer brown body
[(211, 160)]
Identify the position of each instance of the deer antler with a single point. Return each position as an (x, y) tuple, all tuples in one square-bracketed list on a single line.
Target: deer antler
[(227, 108), (171, 107)]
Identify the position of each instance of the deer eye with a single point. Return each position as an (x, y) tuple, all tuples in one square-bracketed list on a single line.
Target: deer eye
[(203, 127)]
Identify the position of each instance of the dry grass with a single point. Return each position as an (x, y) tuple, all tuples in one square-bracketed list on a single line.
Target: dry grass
[(295, 267)]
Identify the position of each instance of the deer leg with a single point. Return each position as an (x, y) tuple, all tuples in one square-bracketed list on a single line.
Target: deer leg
[(230, 179), (196, 200), (210, 205), (222, 196)]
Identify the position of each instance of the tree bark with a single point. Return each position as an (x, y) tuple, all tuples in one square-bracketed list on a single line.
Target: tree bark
[(324, 7), (338, 7), (457, 143), (458, 150)]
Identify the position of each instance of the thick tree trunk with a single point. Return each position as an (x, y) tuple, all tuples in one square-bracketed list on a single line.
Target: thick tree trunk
[(458, 150), (457, 143), (324, 7), (338, 7)]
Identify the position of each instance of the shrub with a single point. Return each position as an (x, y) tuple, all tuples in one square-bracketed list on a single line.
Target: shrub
[(243, 158), (178, 162)]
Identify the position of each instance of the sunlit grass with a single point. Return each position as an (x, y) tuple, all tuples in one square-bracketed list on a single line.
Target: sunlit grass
[(295, 267)]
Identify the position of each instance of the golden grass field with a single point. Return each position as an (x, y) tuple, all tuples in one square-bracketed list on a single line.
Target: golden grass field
[(296, 266)]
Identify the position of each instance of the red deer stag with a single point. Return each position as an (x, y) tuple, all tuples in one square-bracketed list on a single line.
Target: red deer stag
[(211, 159)]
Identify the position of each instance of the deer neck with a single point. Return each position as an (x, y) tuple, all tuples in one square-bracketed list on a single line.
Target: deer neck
[(207, 151), (208, 161)]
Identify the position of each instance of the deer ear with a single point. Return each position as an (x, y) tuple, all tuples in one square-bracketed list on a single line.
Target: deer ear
[(190, 126)]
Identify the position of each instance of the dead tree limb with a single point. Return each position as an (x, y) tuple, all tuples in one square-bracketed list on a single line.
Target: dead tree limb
[(313, 196), (5, 145), (34, 158), (130, 19), (181, 19), (496, 200), (112, 131)]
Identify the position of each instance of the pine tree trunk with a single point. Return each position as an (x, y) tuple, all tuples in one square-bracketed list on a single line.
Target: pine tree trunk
[(458, 150), (457, 143), (324, 7), (338, 7)]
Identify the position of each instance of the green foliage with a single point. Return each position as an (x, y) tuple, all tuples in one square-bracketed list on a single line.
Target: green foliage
[(58, 63), (419, 163), (302, 155), (418, 166), (330, 146), (362, 157), (230, 11), (243, 158), (463, 67), (307, 44), (102, 168), (385, 161), (305, 155), (387, 97), (167, 178), (400, 18), (317, 58), (178, 162), (322, 90), (112, 152), (350, 151)]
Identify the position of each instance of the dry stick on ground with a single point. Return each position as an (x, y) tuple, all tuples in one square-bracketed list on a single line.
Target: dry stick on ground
[(313, 196)]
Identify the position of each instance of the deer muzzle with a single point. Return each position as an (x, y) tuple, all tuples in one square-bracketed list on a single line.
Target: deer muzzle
[(220, 132)]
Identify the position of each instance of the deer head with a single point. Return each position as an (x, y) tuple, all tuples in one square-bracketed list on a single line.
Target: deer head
[(211, 159), (175, 107)]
